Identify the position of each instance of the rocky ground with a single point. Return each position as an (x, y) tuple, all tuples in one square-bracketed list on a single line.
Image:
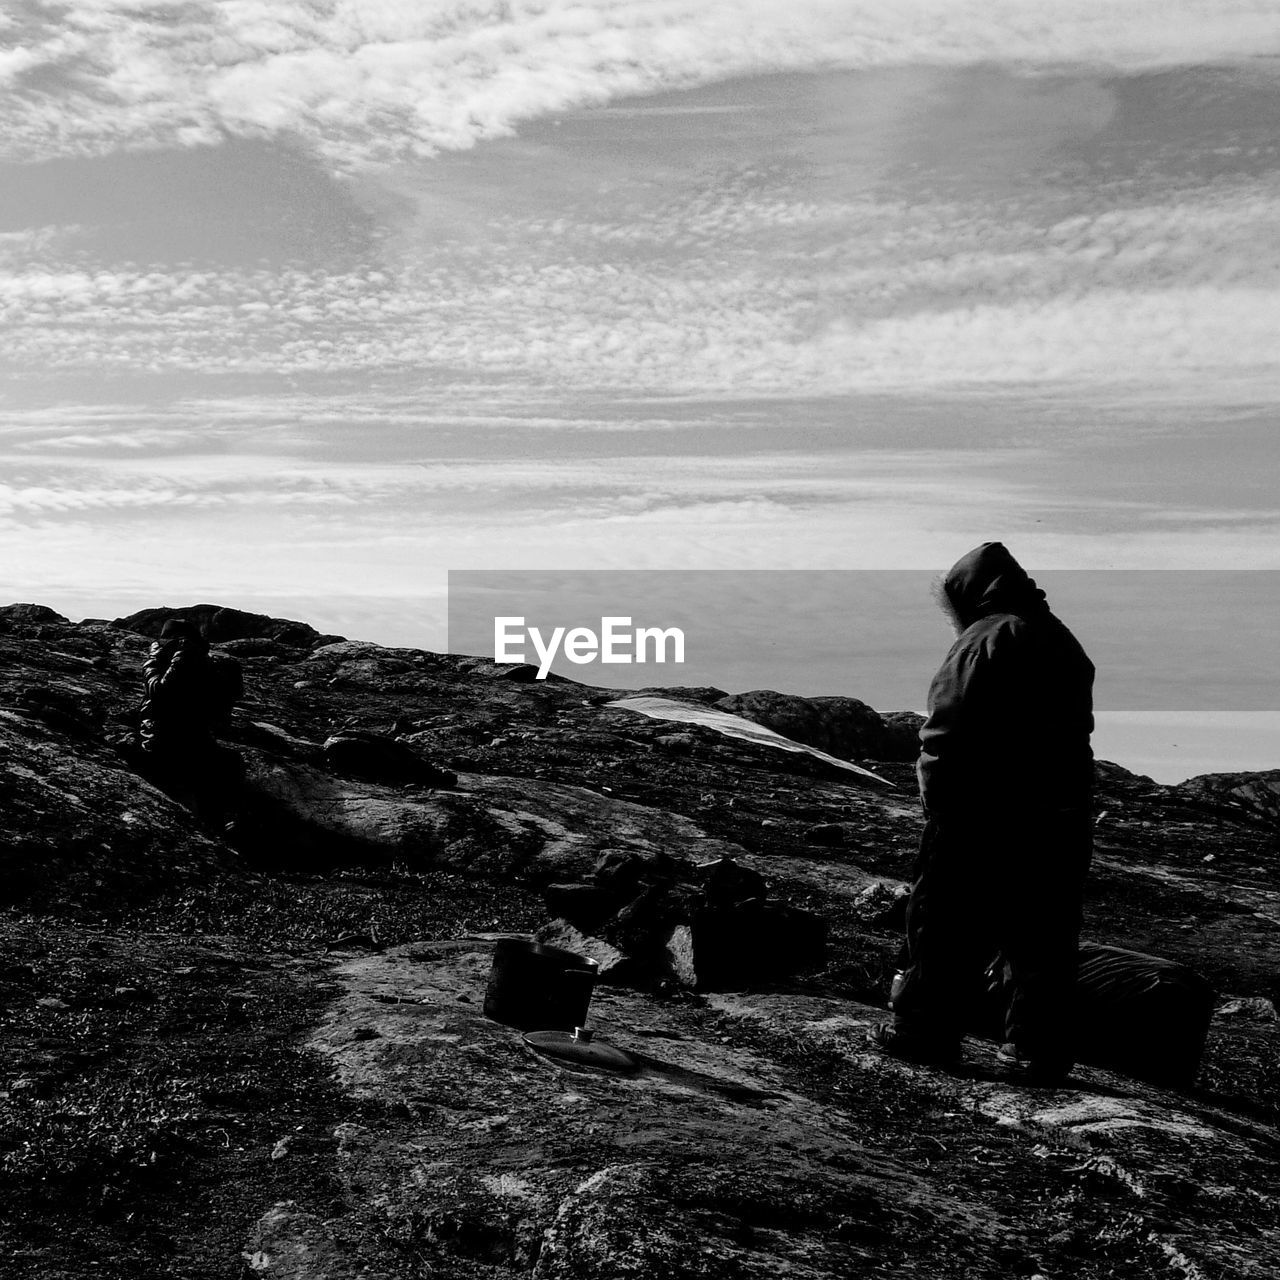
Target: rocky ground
[(262, 1051)]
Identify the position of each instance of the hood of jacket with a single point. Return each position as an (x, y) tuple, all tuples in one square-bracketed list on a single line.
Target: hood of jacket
[(989, 580)]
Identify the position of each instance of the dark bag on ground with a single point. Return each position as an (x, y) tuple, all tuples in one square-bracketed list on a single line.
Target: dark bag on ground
[(1140, 1014)]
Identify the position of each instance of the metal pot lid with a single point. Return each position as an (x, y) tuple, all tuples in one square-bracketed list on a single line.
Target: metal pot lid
[(579, 1047)]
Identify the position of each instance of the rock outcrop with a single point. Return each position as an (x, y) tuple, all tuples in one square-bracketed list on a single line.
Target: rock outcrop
[(220, 624), (30, 615), (744, 904), (1254, 794), (753, 1135), (842, 727)]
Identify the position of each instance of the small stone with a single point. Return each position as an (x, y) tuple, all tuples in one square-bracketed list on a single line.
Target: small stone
[(1250, 1009), (679, 951), (585, 905), (560, 933), (132, 995), (881, 904), (349, 1137)]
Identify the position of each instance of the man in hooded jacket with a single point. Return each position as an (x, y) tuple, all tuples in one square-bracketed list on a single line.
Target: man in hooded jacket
[(1006, 776)]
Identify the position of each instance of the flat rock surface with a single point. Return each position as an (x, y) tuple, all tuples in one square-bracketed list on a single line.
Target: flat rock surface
[(759, 1137)]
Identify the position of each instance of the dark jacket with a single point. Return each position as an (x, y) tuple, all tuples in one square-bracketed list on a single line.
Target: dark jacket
[(1011, 708), (189, 692)]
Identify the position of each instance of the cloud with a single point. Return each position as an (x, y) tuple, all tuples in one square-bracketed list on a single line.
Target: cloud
[(363, 83), (820, 507), (716, 255), (1134, 337), (619, 498), (1143, 296), (812, 262)]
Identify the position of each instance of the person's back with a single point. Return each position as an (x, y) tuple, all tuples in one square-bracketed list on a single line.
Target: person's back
[(1010, 709), (176, 712)]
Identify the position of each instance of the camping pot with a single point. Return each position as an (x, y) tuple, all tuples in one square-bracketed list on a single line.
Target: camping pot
[(538, 988)]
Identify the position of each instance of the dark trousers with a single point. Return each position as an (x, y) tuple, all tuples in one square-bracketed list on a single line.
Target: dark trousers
[(983, 890)]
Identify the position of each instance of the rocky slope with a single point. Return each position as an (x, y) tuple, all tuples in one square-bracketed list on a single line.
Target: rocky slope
[(404, 807)]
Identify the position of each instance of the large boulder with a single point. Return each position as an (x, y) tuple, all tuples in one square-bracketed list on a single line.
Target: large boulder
[(219, 624), (1257, 794), (377, 757), (842, 727), (732, 936), (298, 815), (901, 735), (29, 615), (77, 825)]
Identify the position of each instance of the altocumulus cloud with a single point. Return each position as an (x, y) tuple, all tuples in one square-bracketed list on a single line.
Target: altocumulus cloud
[(366, 82), (750, 284), (886, 298)]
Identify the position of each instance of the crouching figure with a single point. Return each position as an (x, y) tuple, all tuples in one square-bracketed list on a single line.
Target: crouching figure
[(189, 693)]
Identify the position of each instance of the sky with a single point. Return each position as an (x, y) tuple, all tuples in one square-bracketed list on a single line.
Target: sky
[(304, 304)]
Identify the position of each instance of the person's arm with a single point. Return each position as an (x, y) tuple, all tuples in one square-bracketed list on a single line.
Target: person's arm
[(944, 735), (159, 659), (972, 705)]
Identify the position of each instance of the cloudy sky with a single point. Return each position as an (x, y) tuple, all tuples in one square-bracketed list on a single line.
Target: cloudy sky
[(303, 304)]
